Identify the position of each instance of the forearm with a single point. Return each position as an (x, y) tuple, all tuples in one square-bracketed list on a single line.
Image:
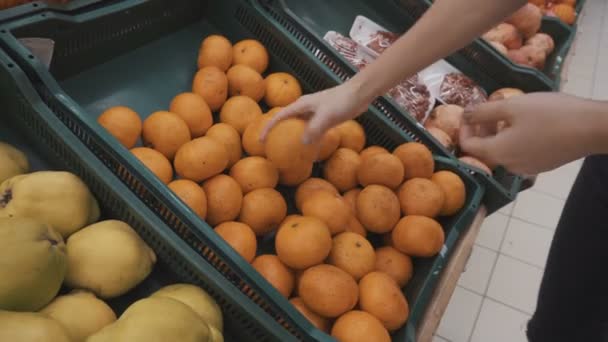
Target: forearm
[(593, 127), (446, 27)]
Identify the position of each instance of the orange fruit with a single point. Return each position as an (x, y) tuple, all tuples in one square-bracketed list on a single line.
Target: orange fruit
[(251, 53), (302, 242), (329, 208), (230, 138), (354, 226), (284, 145), (394, 263), (212, 84), (309, 187), (454, 190), (352, 253), (263, 210), (328, 290), (295, 175), (380, 296), (418, 236), (381, 169), (224, 199), (123, 123), (352, 135), (378, 209), (192, 195), (319, 322), (215, 51), (329, 144), (359, 326), (273, 111), (165, 132), (417, 160), (193, 109), (240, 237), (275, 272), (350, 197), (239, 112), (200, 159), (420, 196), (156, 162), (341, 169), (251, 137), (565, 12), (282, 89), (243, 80), (255, 173), (372, 151)]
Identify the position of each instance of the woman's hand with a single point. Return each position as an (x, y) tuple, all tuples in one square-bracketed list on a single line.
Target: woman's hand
[(323, 110), (544, 131)]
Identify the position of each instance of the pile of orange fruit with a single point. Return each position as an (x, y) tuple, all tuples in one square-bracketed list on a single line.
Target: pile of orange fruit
[(563, 9), (324, 261)]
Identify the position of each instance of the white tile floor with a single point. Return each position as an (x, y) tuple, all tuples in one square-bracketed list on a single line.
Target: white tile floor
[(497, 292)]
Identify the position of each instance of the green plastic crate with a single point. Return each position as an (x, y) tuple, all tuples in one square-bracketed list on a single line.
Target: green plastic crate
[(28, 124), (153, 59), (308, 23), (34, 7)]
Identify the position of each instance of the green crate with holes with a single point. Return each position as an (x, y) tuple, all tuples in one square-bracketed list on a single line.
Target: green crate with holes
[(141, 53)]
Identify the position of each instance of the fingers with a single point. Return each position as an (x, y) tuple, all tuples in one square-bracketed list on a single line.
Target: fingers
[(318, 124), (301, 106), (479, 147), (486, 113)]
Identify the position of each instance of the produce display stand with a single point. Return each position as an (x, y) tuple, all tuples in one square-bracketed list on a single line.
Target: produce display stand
[(34, 7), (140, 54), (28, 124)]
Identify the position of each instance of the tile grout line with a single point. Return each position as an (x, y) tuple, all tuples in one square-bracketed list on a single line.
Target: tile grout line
[(534, 223), (597, 56), (500, 252)]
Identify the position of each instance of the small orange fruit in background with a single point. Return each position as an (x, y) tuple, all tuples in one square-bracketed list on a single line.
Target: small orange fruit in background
[(329, 208), (454, 190), (215, 51), (212, 84), (352, 135), (381, 169), (421, 196), (255, 173), (192, 195), (354, 226), (275, 272), (263, 210), (240, 237), (200, 159), (251, 137), (328, 290), (224, 199), (302, 242), (310, 186), (239, 112), (380, 296), (378, 208), (372, 151), (251, 53), (319, 322), (165, 132), (418, 236), (282, 89), (352, 253), (123, 123), (417, 160), (329, 143), (394, 263), (156, 162), (243, 80), (193, 109), (230, 138), (284, 145), (350, 197), (341, 169), (295, 175), (359, 326), (565, 12)]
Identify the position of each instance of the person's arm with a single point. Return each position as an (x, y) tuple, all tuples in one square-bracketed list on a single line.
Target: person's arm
[(447, 26)]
